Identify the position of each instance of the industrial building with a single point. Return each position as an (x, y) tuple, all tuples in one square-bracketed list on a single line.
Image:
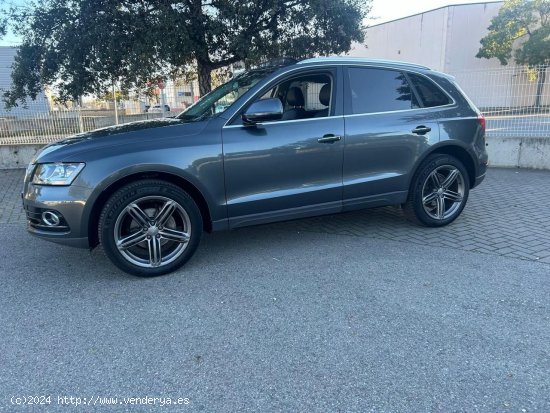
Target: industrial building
[(447, 39)]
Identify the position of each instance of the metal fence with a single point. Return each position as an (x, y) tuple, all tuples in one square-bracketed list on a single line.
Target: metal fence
[(43, 120), (506, 95), (515, 100), (42, 128)]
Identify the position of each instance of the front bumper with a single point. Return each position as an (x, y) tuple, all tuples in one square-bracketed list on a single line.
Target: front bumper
[(66, 201)]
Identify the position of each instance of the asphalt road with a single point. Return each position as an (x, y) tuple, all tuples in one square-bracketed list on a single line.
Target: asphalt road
[(267, 319), (518, 126)]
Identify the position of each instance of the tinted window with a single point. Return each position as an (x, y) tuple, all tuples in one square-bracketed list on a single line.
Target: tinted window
[(379, 90), (428, 91)]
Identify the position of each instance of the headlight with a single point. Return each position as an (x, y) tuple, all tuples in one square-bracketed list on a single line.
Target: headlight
[(56, 173), (28, 172)]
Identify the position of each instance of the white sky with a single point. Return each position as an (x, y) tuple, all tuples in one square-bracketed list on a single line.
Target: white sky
[(385, 10), (382, 11)]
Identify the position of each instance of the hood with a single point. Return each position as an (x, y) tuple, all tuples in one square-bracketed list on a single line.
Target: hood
[(127, 134)]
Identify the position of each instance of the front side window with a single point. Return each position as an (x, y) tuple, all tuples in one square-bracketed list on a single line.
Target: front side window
[(304, 96), (379, 90)]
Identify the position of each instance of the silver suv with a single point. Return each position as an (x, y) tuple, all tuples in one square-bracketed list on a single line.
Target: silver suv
[(278, 142)]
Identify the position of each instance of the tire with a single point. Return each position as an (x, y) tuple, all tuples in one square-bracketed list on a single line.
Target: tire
[(150, 228), (439, 191)]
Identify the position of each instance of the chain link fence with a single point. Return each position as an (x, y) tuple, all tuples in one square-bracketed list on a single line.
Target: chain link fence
[(515, 101)]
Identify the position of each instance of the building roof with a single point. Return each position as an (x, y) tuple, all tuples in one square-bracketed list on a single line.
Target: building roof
[(437, 8)]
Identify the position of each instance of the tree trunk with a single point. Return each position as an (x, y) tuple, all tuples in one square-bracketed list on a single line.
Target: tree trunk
[(205, 78), (540, 85)]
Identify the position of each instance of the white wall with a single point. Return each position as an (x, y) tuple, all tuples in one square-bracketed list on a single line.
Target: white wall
[(447, 39), (467, 25), (416, 39), (40, 105)]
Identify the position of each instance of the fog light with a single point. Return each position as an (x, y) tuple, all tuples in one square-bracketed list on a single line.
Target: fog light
[(51, 218)]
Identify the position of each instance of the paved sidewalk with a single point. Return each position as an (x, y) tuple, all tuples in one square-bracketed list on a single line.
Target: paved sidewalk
[(11, 183), (508, 215)]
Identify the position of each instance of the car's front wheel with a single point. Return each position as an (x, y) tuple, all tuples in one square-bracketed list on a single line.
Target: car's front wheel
[(150, 228), (439, 191)]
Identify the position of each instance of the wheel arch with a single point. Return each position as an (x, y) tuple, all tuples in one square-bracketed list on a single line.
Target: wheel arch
[(454, 149), (112, 187)]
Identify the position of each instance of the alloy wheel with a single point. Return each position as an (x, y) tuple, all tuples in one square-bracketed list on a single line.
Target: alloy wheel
[(152, 231), (443, 192)]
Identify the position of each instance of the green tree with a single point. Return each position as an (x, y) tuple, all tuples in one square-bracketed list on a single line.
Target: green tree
[(3, 19), (118, 95), (525, 23), (84, 46)]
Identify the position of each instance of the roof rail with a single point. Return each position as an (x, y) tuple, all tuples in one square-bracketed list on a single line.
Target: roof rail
[(346, 59)]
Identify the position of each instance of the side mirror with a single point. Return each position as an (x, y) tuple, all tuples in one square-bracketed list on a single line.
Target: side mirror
[(262, 111)]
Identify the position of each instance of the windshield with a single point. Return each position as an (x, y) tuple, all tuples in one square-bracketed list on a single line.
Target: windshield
[(221, 98)]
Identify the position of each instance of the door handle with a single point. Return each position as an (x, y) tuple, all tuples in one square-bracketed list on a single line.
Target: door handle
[(329, 139), (421, 130)]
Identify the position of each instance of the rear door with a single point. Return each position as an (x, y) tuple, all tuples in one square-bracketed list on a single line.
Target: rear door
[(386, 133)]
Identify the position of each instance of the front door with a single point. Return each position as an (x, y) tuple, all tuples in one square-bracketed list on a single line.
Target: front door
[(281, 169), (289, 168)]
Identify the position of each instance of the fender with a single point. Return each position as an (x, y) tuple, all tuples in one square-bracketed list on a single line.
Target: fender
[(216, 209), (446, 144)]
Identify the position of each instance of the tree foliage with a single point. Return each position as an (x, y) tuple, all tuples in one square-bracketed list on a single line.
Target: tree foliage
[(3, 19), (525, 26), (83, 46), (518, 19)]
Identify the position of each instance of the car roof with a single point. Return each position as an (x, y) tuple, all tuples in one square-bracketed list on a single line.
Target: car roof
[(360, 60)]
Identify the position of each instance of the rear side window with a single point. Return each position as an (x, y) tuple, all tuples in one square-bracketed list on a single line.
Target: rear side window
[(379, 90), (428, 91)]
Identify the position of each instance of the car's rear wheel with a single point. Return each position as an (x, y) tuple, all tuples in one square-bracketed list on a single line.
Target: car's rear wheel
[(150, 228), (438, 192)]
